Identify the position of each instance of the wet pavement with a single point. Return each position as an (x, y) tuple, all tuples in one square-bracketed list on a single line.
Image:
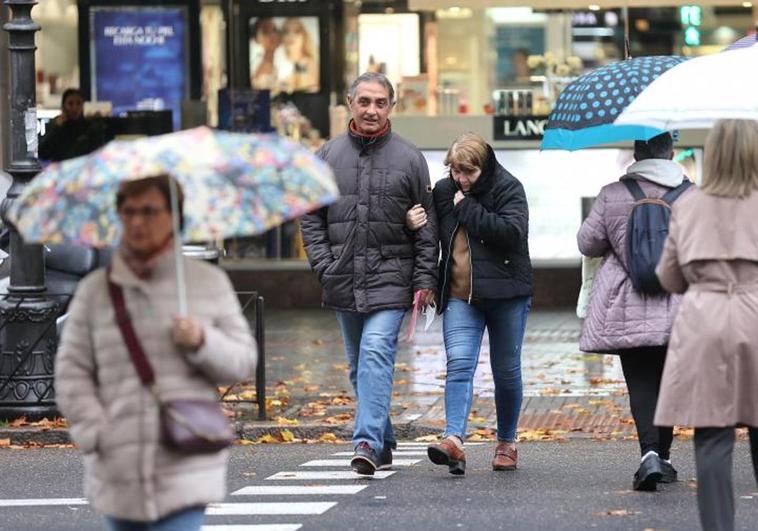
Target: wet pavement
[(567, 393)]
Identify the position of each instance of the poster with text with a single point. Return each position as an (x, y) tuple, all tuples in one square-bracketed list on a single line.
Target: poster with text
[(139, 58), (285, 54)]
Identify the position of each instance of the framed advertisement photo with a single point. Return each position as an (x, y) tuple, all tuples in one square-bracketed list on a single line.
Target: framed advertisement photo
[(284, 54)]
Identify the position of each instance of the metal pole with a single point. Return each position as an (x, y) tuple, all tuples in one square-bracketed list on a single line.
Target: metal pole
[(260, 370), (231, 46), (4, 88), (28, 340)]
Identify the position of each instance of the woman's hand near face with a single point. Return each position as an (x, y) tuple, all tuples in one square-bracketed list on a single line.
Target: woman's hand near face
[(458, 197), (187, 333), (415, 218)]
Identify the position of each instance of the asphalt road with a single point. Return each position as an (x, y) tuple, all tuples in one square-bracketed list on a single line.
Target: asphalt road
[(573, 485)]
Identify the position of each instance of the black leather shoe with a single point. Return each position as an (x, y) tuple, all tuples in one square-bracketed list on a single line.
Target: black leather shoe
[(668, 473), (364, 461), (648, 475), (385, 459)]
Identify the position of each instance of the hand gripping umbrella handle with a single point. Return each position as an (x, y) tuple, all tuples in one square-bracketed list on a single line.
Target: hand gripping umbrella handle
[(181, 288)]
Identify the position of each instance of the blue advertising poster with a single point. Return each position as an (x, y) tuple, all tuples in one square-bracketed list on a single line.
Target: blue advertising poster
[(139, 58)]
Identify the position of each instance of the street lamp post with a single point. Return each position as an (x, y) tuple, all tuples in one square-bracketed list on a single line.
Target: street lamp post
[(28, 337)]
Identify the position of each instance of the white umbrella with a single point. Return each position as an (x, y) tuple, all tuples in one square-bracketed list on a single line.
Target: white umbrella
[(697, 93)]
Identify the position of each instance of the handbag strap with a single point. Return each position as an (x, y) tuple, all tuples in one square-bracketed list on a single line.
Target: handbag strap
[(124, 321)]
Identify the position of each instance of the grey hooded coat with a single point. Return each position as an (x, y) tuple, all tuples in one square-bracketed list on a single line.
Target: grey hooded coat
[(618, 317)]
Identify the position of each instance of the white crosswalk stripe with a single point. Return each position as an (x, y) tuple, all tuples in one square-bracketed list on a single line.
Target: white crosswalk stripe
[(398, 453), (298, 490), (409, 445), (42, 502), (252, 527), (265, 508), (346, 462), (327, 474)]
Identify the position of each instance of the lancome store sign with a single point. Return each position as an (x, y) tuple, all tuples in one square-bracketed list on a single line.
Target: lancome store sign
[(519, 127)]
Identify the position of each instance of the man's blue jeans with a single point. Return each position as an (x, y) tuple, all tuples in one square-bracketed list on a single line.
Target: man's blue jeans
[(463, 326), (370, 345)]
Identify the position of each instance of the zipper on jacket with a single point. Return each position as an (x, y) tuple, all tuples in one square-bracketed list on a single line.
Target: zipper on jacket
[(447, 262), (470, 270)]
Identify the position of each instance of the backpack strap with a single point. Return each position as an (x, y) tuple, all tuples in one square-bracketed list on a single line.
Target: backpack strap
[(634, 188), (673, 195)]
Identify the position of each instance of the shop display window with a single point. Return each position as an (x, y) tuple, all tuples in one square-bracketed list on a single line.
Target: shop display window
[(389, 44)]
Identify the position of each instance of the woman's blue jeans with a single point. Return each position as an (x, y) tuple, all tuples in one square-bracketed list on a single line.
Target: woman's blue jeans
[(190, 519), (463, 326)]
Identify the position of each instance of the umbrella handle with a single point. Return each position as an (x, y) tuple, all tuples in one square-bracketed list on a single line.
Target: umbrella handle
[(181, 287)]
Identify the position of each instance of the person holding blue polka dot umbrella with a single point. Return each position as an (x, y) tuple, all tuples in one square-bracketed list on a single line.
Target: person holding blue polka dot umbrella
[(586, 109)]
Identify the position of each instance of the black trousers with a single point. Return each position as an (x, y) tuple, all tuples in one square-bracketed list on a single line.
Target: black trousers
[(715, 491), (643, 369)]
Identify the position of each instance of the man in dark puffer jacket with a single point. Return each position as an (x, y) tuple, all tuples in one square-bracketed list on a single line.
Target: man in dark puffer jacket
[(368, 264)]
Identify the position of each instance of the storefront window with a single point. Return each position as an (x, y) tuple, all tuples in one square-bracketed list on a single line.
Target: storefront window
[(389, 44), (57, 57)]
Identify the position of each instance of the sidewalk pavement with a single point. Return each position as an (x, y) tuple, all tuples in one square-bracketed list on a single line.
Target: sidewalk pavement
[(567, 394)]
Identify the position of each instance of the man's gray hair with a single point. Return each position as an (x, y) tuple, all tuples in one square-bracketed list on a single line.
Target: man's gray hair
[(372, 77)]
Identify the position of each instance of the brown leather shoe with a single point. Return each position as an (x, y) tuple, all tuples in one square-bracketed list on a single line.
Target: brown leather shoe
[(506, 458), (447, 453)]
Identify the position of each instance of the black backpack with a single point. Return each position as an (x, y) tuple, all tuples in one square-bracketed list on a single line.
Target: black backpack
[(646, 232)]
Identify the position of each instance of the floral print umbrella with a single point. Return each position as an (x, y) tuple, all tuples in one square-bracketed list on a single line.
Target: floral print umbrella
[(234, 185)]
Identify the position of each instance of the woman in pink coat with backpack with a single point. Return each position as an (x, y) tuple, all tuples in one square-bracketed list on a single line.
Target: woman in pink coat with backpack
[(621, 320)]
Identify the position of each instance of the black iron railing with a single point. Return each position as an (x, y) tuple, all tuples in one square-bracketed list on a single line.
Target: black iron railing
[(18, 376)]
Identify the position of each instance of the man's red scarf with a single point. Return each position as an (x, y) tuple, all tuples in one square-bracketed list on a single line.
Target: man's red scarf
[(354, 130)]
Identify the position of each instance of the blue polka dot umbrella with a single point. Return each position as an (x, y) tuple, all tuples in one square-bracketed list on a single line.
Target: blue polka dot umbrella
[(744, 42), (584, 113)]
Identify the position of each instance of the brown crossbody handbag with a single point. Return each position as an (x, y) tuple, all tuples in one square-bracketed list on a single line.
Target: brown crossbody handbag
[(188, 425)]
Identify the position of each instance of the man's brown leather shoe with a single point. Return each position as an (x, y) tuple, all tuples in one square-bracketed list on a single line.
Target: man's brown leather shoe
[(447, 453), (506, 458)]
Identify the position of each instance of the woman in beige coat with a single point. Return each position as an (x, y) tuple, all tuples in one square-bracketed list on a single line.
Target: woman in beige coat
[(130, 477), (710, 380)]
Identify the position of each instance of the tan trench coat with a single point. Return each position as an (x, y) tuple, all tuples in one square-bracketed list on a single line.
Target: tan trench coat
[(113, 419), (711, 255)]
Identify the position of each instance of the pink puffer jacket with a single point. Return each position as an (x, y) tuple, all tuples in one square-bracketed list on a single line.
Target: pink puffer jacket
[(618, 317)]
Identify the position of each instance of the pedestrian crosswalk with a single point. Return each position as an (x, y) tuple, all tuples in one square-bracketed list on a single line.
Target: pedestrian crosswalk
[(407, 454), (253, 527), (42, 502), (399, 453), (265, 508), (308, 490), (325, 475), (298, 490), (346, 462)]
